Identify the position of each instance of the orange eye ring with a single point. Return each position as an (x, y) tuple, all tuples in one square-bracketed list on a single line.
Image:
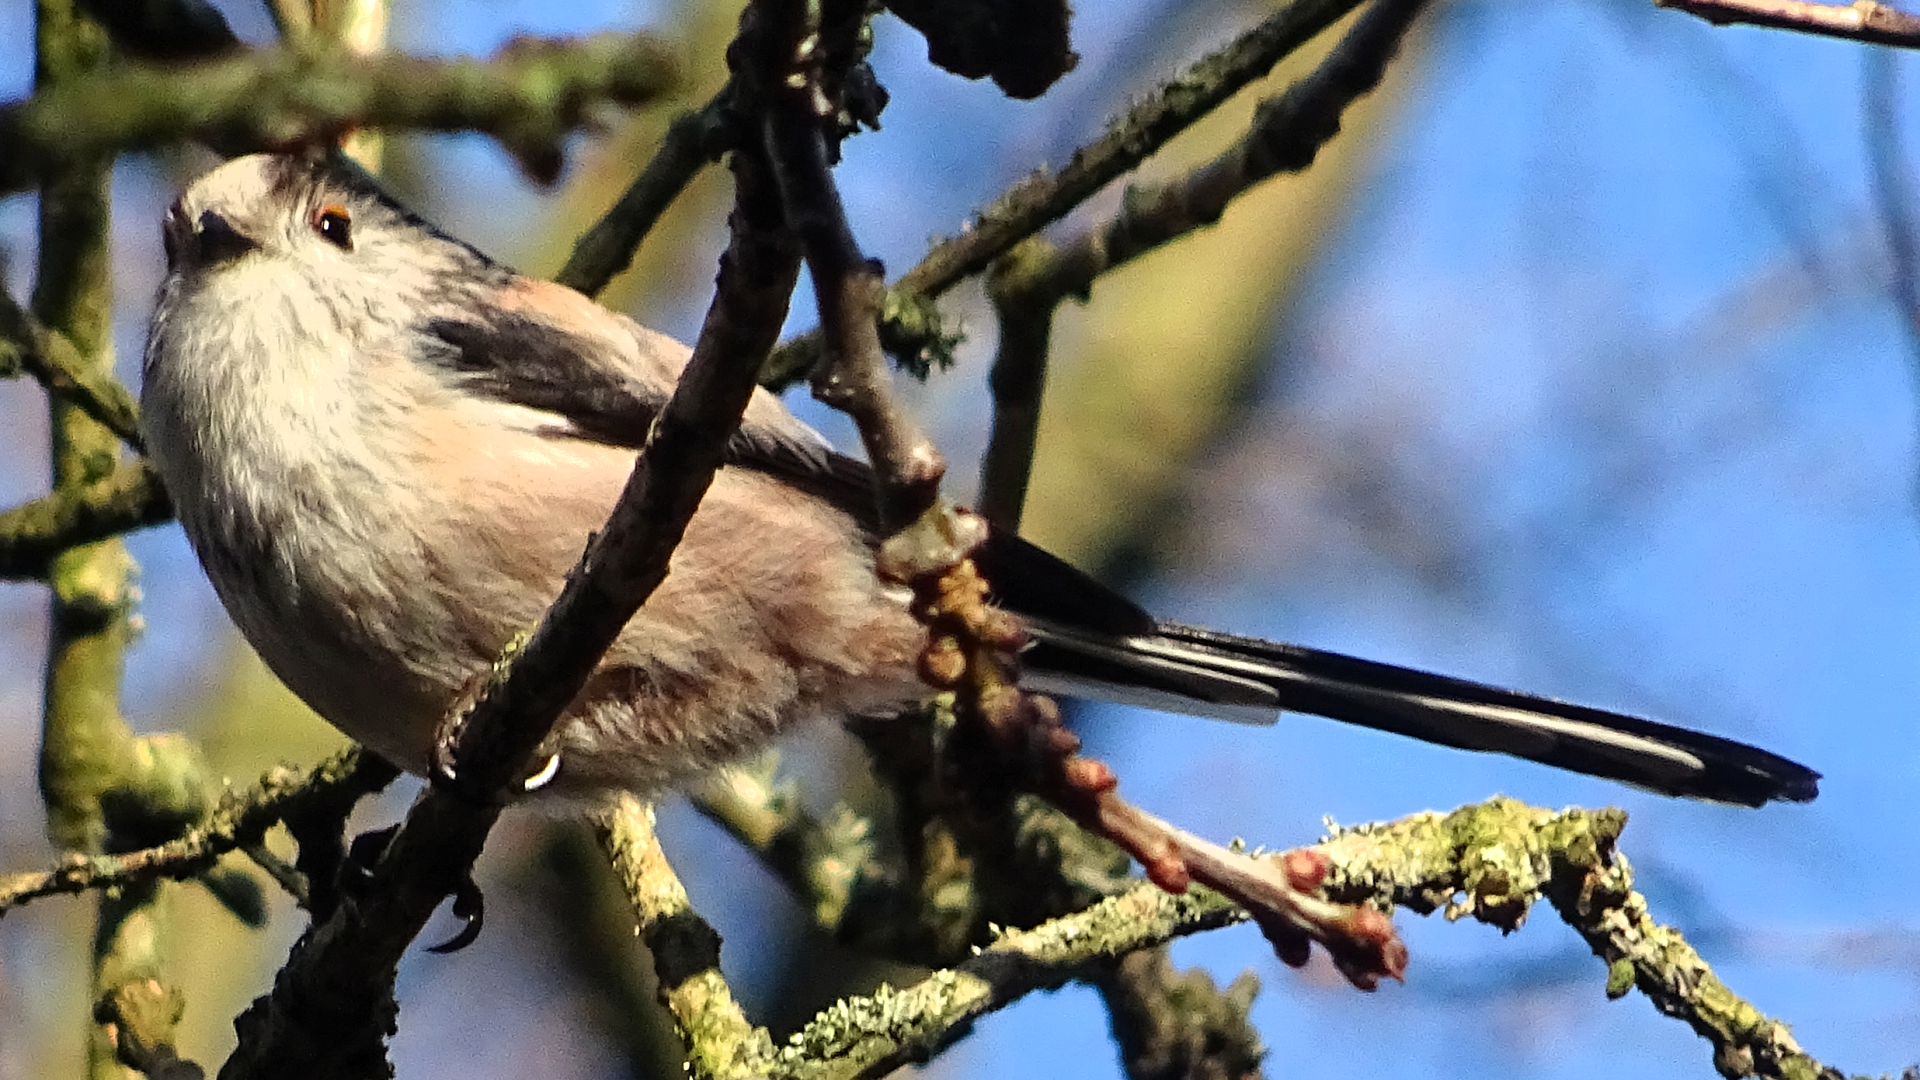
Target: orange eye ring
[(335, 225)]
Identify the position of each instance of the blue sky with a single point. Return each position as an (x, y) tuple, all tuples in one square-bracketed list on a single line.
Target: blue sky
[(1659, 465)]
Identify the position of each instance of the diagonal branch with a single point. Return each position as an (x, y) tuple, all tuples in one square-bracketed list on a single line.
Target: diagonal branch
[(606, 249), (1044, 197), (720, 1041), (1026, 287)]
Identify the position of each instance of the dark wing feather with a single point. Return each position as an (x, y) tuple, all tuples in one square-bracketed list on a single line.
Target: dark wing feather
[(525, 360)]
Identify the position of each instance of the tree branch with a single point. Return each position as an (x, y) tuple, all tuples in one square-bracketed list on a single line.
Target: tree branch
[(606, 249), (720, 1041), (240, 819), (529, 96), (1490, 862), (1044, 197), (34, 534), (1027, 285), (1862, 20)]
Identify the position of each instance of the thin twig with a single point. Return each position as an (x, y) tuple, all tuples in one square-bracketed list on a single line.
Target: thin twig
[(1893, 193), (240, 819), (33, 534), (1026, 287), (1862, 20), (1893, 189), (1017, 381), (606, 249), (1044, 197), (529, 96)]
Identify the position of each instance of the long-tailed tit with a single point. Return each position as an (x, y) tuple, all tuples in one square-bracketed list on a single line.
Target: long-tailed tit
[(388, 450)]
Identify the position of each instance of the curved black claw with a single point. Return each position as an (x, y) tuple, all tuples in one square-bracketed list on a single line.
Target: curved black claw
[(468, 904)]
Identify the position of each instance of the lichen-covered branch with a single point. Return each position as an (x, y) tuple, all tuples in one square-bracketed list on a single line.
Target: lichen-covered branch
[(98, 781), (238, 820), (721, 1042), (1490, 862), (51, 359), (1862, 20), (1044, 197), (872, 1035), (529, 96), (32, 535), (1028, 285), (606, 249), (329, 1011)]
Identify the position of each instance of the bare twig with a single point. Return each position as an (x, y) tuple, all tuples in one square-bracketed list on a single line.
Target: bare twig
[(606, 249), (1862, 20), (528, 96), (328, 1006), (239, 820), (1044, 197), (1893, 192), (720, 1041), (1027, 286), (1017, 381), (33, 534)]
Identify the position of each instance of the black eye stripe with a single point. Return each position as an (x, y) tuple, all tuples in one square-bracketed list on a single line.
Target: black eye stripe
[(335, 227)]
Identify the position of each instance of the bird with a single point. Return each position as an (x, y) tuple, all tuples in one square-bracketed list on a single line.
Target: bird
[(387, 450)]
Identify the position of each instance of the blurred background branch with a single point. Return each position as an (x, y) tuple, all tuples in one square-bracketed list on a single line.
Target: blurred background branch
[(529, 97)]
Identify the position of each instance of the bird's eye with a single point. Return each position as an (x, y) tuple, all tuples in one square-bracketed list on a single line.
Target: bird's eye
[(335, 225)]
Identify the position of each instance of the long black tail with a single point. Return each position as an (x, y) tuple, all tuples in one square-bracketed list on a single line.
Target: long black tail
[(1206, 673)]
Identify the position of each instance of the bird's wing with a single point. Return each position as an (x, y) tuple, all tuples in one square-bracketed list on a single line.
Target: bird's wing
[(603, 377)]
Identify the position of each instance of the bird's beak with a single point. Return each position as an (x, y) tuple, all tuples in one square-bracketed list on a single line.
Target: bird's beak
[(205, 243)]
